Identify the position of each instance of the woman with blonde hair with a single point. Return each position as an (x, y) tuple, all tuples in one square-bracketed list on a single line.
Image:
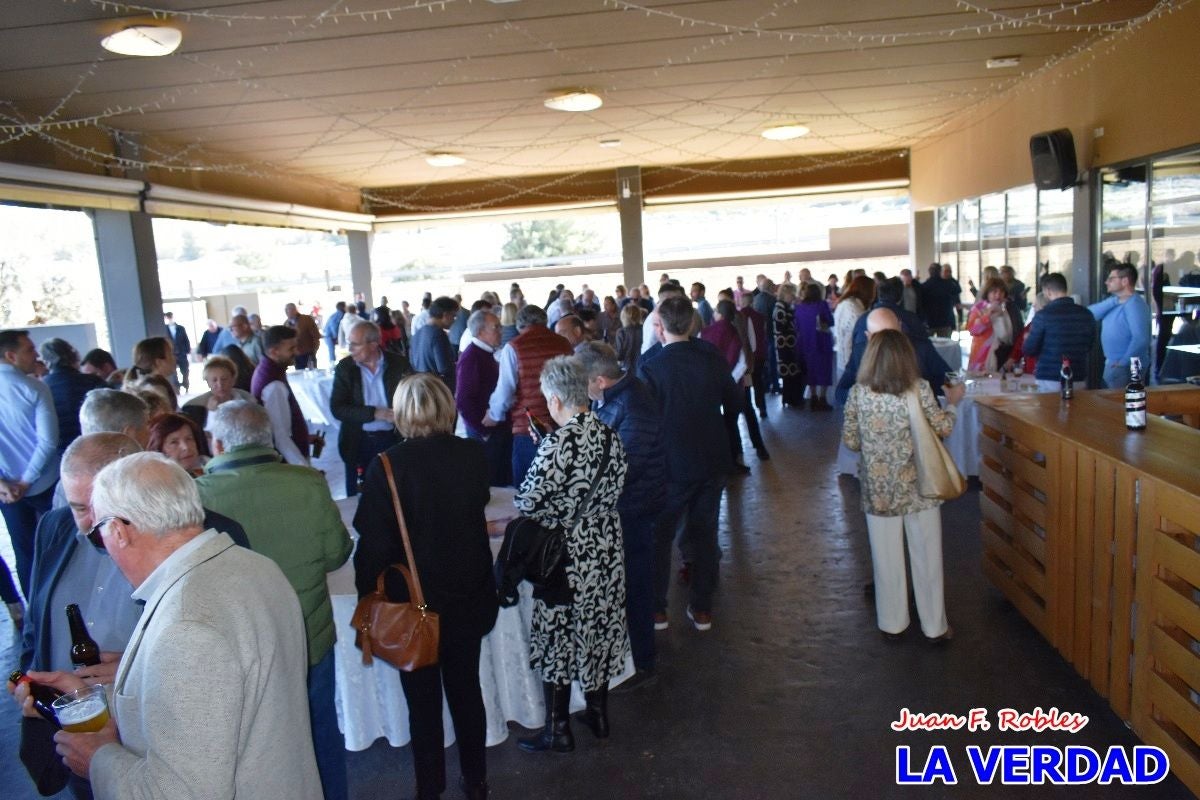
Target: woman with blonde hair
[(877, 425), (508, 323), (442, 482), (153, 356), (628, 342)]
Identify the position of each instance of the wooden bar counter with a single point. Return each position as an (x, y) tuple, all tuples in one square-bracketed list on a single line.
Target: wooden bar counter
[(1093, 533)]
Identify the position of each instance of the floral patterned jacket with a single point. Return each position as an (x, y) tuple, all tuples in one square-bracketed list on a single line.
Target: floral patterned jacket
[(877, 426)]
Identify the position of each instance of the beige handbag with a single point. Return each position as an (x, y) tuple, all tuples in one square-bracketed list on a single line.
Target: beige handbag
[(937, 474)]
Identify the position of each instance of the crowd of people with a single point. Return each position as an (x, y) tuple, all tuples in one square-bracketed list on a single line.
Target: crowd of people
[(196, 538)]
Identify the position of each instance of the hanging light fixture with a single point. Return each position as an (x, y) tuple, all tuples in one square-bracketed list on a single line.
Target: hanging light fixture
[(143, 40), (574, 100), (444, 160), (782, 133)]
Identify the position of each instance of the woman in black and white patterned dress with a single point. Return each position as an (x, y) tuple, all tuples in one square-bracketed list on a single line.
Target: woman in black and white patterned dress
[(586, 639)]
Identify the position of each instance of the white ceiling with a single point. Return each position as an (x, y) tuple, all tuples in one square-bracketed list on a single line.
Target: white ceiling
[(356, 93)]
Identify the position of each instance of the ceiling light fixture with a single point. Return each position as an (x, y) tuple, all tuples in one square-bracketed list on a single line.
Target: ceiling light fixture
[(610, 142), (143, 40), (444, 160), (574, 100), (1001, 62), (782, 133)]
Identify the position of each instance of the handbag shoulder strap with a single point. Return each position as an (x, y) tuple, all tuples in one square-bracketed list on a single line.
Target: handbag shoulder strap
[(418, 595), (587, 498)]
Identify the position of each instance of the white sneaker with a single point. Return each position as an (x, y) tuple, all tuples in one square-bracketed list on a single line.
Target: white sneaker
[(701, 619), (661, 623)]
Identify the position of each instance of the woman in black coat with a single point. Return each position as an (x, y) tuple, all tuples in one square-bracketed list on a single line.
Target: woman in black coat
[(443, 485)]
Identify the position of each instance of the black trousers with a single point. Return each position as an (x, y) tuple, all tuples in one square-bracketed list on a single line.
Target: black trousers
[(637, 531), (759, 376), (370, 444), (456, 673), (184, 366)]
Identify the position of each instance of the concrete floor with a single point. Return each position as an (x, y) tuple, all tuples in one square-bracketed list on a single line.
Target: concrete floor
[(791, 693)]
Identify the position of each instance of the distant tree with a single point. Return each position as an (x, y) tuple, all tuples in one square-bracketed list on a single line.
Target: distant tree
[(58, 302), (543, 238), (10, 291), (190, 249)]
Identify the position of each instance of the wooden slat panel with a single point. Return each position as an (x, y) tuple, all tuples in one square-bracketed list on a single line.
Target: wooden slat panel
[(1173, 656), (1179, 507), (1020, 600), (1171, 705), (1176, 608), (1101, 582), (1085, 508), (1021, 467), (991, 512), (1026, 572), (1147, 613), (1183, 763), (1124, 563), (1178, 558), (1030, 506), (1060, 554)]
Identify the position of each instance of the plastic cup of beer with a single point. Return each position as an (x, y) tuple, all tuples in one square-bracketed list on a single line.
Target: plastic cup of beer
[(954, 377), (83, 710)]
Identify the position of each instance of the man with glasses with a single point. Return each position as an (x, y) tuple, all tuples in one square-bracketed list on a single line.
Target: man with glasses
[(363, 385), (68, 569), (197, 711), (1125, 329)]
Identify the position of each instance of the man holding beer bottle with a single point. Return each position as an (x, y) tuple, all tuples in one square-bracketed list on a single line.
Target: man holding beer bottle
[(197, 713)]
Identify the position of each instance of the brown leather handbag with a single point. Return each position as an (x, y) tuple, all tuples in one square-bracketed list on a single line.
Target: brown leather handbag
[(403, 634)]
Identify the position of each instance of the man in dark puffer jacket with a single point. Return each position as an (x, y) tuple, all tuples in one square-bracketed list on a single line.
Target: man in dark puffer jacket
[(625, 404)]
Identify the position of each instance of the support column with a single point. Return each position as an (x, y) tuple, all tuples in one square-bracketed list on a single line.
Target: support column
[(1085, 239), (922, 240), (360, 264), (629, 206), (128, 278)]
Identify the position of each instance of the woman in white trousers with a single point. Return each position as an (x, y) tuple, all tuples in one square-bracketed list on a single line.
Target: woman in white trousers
[(876, 424)]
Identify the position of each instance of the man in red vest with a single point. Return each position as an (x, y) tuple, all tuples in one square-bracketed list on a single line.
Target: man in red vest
[(519, 388), (269, 385)]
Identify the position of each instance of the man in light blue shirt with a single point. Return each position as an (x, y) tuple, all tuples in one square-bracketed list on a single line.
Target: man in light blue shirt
[(28, 452), (1125, 332)]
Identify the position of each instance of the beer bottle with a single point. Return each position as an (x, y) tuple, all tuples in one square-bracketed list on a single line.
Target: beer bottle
[(84, 650), (1135, 397), (539, 429), (1066, 380), (42, 695), (358, 479)]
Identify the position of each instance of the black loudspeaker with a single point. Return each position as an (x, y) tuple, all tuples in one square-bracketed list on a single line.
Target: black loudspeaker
[(1053, 155)]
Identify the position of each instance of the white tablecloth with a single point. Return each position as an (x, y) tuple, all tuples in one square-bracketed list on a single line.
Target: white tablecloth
[(949, 350), (370, 701)]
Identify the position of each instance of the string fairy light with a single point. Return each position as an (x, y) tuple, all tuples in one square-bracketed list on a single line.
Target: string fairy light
[(693, 117)]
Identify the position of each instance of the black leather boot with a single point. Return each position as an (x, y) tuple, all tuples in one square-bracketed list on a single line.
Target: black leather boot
[(556, 735), (595, 716), (477, 791)]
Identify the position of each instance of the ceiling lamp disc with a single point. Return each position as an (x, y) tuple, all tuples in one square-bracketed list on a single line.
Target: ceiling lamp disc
[(143, 40), (574, 101), (781, 133), (444, 160)]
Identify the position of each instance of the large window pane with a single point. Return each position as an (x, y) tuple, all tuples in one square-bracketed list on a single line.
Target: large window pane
[(991, 230), (1055, 223), (205, 269), (1022, 230), (49, 276), (1123, 217)]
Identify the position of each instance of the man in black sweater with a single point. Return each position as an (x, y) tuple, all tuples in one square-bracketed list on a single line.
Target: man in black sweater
[(691, 382)]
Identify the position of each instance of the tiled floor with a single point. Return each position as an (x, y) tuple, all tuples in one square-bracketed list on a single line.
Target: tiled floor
[(791, 693)]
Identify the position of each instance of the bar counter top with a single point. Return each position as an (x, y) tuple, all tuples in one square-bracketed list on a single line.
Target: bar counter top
[(1166, 450)]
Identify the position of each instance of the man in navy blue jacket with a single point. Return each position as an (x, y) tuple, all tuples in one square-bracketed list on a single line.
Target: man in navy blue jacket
[(1060, 330), (691, 383), (624, 403)]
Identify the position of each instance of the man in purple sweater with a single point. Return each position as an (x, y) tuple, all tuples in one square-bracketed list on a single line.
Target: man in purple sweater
[(475, 378)]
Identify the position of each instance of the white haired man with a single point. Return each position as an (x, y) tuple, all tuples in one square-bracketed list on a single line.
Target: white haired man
[(209, 696)]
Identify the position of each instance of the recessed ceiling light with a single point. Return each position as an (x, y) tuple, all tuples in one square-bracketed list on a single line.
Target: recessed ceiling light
[(444, 160), (574, 100), (610, 142), (1001, 62), (143, 40), (781, 133)]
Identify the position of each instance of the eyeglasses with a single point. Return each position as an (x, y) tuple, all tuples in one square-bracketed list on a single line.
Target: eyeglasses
[(94, 534)]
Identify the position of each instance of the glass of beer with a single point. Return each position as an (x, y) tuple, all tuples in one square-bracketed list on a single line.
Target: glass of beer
[(83, 710)]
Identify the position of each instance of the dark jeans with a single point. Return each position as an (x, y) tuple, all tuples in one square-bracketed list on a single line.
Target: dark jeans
[(697, 505), (637, 531), (523, 451), (22, 518), (771, 366), (457, 673), (328, 742), (184, 367), (331, 343), (370, 444), (498, 449), (759, 376), (735, 435)]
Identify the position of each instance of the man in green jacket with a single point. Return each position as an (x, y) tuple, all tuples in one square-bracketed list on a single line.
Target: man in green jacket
[(290, 517)]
